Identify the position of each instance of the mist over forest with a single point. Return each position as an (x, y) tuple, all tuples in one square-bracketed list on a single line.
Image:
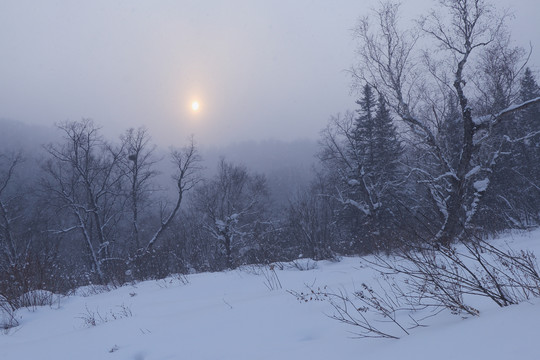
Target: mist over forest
[(288, 165), (436, 154)]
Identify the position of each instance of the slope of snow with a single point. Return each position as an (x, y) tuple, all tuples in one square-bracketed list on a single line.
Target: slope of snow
[(234, 315)]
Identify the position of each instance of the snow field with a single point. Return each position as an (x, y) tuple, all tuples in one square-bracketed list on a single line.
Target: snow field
[(233, 315)]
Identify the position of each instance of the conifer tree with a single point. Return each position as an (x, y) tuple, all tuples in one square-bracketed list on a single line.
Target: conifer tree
[(364, 151), (364, 131), (529, 90), (387, 146), (528, 151), (514, 197)]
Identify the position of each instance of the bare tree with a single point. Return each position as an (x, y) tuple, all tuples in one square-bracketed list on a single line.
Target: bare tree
[(10, 249), (187, 164), (15, 240), (138, 163), (311, 222), (417, 85), (84, 178), (232, 205)]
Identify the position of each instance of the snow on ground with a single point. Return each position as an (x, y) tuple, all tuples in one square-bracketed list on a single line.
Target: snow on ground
[(234, 315)]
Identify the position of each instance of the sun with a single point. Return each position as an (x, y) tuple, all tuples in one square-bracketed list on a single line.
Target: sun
[(195, 106)]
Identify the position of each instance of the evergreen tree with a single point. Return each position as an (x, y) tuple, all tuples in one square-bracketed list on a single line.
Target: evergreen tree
[(451, 132), (514, 197), (529, 89), (387, 147), (364, 131), (363, 153), (528, 150)]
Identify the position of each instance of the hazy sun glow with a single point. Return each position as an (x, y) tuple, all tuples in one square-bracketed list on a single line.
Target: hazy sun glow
[(195, 105)]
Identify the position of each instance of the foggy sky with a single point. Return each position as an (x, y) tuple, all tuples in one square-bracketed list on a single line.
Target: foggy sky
[(260, 69)]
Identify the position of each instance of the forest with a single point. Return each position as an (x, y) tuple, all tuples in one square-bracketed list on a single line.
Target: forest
[(442, 147)]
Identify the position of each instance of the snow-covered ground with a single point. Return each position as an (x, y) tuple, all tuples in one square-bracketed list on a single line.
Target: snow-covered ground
[(234, 315)]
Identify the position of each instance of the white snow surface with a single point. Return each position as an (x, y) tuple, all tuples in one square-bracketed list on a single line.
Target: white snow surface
[(481, 185), (234, 315)]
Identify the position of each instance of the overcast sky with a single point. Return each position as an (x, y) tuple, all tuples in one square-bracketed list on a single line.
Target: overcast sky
[(260, 69)]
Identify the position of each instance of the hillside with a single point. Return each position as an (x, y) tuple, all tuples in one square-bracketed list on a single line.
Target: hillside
[(243, 314)]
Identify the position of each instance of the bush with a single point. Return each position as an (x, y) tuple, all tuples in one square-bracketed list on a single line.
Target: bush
[(434, 278), (8, 319)]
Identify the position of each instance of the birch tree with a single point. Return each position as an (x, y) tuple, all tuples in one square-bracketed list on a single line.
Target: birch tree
[(138, 164), (417, 83), (85, 181)]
